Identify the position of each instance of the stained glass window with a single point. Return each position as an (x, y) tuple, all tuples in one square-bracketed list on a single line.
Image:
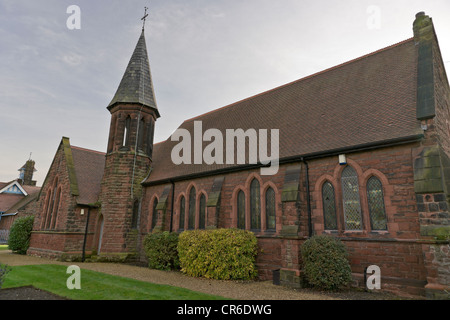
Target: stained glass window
[(270, 210), (241, 210), (255, 206), (191, 221), (154, 213), (375, 199), (329, 206), (182, 211), (351, 201), (202, 222)]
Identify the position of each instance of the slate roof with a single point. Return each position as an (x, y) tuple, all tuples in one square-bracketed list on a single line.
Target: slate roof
[(31, 189), (89, 166), (136, 85), (367, 100), (9, 202), (23, 202)]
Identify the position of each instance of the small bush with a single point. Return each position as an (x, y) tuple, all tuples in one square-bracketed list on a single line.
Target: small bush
[(20, 234), (325, 263), (4, 269), (161, 251), (223, 254)]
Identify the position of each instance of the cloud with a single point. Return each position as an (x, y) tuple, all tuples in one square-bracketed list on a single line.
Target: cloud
[(72, 59)]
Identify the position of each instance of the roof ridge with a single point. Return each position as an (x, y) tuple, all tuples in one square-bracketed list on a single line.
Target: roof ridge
[(88, 150), (305, 78)]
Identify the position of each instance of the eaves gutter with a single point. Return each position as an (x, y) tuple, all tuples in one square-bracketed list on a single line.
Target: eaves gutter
[(8, 214), (293, 159)]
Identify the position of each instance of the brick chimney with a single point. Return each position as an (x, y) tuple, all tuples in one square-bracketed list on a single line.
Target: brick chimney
[(425, 38), (26, 174), (423, 28)]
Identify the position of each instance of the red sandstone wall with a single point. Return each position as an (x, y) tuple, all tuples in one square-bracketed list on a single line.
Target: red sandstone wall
[(49, 238), (68, 234), (396, 251)]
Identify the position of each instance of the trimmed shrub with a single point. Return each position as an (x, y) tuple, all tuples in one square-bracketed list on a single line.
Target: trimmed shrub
[(223, 254), (20, 234), (161, 250), (325, 263)]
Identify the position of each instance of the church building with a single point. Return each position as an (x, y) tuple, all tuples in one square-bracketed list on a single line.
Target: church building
[(363, 154)]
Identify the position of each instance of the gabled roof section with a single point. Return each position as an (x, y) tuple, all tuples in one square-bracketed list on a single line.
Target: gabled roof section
[(14, 195), (85, 171), (23, 202), (89, 166), (13, 187), (369, 100), (137, 85)]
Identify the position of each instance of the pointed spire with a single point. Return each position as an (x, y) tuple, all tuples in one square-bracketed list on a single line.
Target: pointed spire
[(136, 85)]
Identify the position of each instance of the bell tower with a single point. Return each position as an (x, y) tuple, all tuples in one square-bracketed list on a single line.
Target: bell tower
[(133, 101), (129, 156)]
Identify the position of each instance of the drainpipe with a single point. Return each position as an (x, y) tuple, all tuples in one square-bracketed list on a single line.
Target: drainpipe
[(171, 213), (83, 258), (308, 200)]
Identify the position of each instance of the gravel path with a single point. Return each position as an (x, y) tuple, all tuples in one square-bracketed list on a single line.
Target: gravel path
[(254, 290)]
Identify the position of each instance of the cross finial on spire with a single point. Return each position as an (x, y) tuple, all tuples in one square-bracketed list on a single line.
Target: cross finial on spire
[(144, 18)]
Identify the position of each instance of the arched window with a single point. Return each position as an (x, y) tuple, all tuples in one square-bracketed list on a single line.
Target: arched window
[(141, 134), (351, 201), (270, 210), (202, 219), (50, 209), (135, 216), (112, 135), (45, 211), (255, 205), (329, 206), (191, 220), (56, 209), (150, 130), (51, 206), (241, 210), (126, 132), (375, 199), (182, 212), (154, 213)]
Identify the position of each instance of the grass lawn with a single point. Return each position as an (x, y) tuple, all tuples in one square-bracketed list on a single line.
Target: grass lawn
[(3, 247), (96, 285)]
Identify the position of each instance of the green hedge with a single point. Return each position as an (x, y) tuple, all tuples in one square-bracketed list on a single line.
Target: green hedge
[(223, 254), (161, 251), (325, 263), (20, 234)]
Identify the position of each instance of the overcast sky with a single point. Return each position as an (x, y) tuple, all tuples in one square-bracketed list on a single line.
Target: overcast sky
[(204, 54)]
